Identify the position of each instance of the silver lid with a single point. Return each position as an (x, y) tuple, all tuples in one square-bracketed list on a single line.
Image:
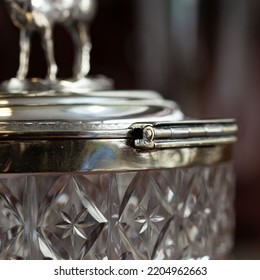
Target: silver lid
[(52, 125), (105, 131)]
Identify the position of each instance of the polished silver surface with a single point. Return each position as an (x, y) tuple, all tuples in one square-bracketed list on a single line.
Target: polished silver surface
[(36, 86), (40, 16), (87, 155), (66, 96), (188, 133), (105, 131), (79, 113)]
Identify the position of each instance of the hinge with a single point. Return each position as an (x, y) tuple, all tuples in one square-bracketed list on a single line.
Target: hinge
[(187, 133)]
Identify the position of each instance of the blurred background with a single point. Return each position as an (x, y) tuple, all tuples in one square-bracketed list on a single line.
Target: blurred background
[(203, 54)]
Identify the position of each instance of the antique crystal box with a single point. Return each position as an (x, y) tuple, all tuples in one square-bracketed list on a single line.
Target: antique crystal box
[(87, 172)]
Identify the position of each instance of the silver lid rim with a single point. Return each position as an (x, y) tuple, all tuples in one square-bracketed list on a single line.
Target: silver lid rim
[(140, 147)]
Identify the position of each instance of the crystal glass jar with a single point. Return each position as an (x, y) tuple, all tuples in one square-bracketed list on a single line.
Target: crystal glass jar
[(112, 175)]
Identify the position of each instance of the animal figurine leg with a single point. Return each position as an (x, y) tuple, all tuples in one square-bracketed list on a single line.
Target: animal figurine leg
[(85, 45), (24, 54), (82, 44), (49, 53)]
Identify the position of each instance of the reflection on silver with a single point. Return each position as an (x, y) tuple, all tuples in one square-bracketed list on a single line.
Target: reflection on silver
[(191, 133), (106, 131), (40, 16), (92, 110), (100, 155), (6, 112)]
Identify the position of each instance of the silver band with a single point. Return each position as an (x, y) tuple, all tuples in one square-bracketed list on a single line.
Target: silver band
[(41, 156), (141, 146)]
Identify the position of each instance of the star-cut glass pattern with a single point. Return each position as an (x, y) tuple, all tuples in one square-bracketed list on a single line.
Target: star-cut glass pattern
[(73, 225), (183, 213), (148, 220)]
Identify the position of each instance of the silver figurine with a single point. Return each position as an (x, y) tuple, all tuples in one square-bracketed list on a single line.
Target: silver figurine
[(40, 16)]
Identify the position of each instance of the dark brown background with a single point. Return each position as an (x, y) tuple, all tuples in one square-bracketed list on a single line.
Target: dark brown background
[(203, 54)]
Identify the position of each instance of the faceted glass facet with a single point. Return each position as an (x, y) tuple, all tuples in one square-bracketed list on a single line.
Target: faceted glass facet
[(182, 213)]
